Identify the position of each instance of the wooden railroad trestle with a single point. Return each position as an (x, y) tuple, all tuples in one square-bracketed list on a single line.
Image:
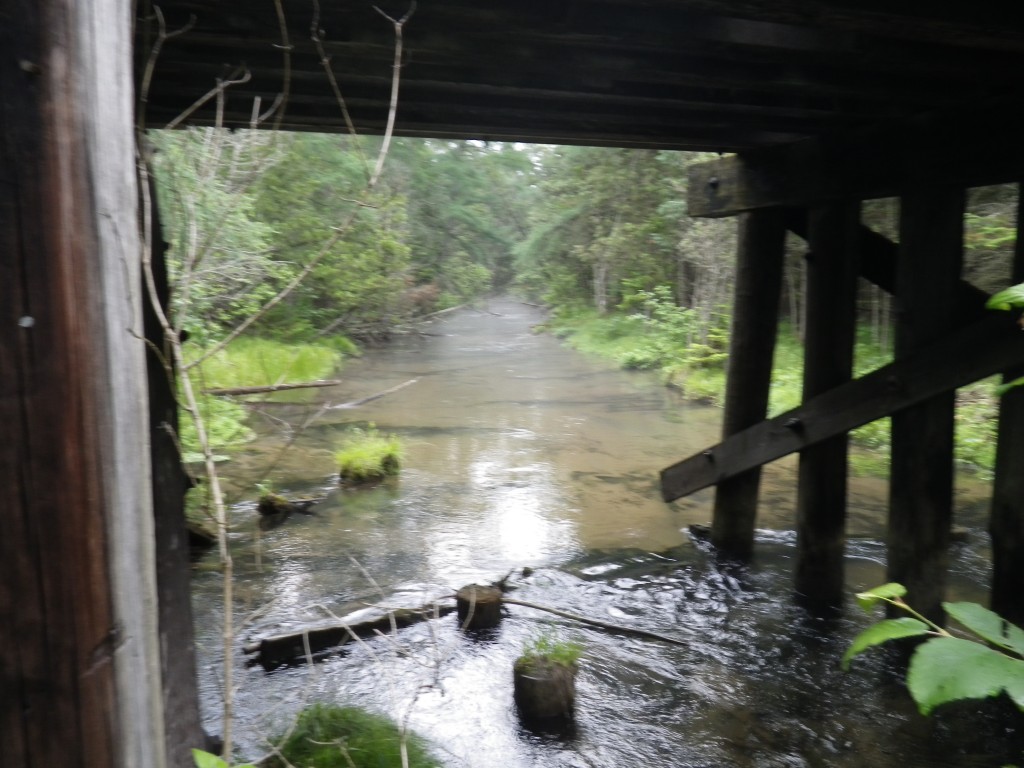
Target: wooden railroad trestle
[(944, 339)]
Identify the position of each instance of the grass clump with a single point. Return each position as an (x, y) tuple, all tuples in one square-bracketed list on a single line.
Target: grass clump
[(368, 454), (347, 737), (551, 650)]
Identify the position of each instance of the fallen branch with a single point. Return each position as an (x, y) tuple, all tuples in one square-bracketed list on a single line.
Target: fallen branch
[(363, 400), (271, 388), (323, 640), (595, 623)]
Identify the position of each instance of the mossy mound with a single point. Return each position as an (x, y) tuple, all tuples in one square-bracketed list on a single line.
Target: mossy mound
[(367, 455), (348, 737)]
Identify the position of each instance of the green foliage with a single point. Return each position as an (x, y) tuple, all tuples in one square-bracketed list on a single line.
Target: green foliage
[(347, 737), (549, 647), (1007, 299), (206, 760), (246, 363), (945, 668), (367, 454)]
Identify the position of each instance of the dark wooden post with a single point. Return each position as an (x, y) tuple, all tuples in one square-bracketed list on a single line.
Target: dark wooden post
[(921, 486), (1007, 522), (79, 672), (832, 269), (751, 348)]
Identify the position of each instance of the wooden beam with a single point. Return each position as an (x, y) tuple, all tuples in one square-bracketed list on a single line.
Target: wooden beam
[(80, 671), (832, 269), (982, 349), (877, 258), (1006, 524), (981, 148), (921, 478), (751, 347)]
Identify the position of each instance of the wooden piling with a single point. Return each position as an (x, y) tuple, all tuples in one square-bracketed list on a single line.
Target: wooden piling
[(832, 269), (921, 485), (751, 347), (1006, 524), (479, 607)]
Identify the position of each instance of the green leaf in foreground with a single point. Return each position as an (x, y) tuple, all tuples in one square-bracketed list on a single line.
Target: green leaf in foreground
[(871, 598), (1002, 389), (1008, 298), (947, 669), (883, 631), (988, 625)]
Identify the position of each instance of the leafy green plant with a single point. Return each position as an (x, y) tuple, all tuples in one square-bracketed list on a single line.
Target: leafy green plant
[(368, 454), (207, 760), (1009, 299), (347, 737), (946, 668), (548, 647)]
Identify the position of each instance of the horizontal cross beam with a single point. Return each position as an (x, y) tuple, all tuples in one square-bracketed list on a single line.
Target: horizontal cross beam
[(982, 349), (880, 162)]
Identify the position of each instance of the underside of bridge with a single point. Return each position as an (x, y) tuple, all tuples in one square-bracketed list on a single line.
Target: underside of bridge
[(814, 105)]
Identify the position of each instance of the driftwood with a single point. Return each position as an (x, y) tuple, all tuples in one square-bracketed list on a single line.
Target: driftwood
[(322, 640), (275, 509), (271, 388), (608, 626), (363, 400)]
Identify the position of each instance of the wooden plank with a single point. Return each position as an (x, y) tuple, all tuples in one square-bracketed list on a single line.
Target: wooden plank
[(1006, 524), (877, 257), (751, 346), (982, 349), (983, 148), (832, 269), (81, 680), (921, 484)]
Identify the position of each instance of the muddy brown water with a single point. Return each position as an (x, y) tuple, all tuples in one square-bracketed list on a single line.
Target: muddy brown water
[(522, 453)]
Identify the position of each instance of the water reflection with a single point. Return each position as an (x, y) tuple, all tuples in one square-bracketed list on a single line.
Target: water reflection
[(521, 453)]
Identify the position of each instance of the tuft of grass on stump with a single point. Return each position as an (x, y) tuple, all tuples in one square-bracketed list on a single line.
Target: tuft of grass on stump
[(348, 737), (367, 454)]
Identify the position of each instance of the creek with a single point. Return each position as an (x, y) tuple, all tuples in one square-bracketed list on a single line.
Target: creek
[(519, 453)]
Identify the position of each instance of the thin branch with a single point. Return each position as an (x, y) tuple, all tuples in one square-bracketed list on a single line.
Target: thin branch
[(238, 76), (147, 75), (395, 80), (286, 48)]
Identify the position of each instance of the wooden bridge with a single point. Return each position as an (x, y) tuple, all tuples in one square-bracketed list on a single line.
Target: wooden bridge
[(821, 103)]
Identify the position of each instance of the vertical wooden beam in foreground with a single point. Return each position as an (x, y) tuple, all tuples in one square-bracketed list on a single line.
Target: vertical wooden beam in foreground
[(79, 671), (921, 485), (832, 269), (751, 347), (1007, 522)]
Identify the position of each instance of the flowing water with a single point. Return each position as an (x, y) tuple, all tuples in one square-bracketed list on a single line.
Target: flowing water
[(522, 453)]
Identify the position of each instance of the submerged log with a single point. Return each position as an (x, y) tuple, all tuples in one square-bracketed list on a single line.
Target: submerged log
[(479, 607), (317, 642), (274, 509)]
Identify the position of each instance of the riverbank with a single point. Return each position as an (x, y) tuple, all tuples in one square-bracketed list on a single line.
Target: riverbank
[(663, 339)]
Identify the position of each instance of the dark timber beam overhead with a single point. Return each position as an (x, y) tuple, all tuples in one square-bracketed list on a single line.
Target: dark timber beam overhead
[(984, 148)]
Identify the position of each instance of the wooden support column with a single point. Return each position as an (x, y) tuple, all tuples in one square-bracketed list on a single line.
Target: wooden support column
[(751, 347), (921, 485), (832, 269), (80, 670), (1007, 521)]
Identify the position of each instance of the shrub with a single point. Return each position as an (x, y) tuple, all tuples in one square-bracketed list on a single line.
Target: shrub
[(347, 737)]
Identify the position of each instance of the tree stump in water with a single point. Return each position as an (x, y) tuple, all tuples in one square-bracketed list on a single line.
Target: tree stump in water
[(545, 690), (479, 607)]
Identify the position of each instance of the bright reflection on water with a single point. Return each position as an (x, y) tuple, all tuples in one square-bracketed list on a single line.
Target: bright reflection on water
[(519, 453)]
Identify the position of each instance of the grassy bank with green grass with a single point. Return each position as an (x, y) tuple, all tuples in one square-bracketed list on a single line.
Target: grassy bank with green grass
[(651, 334), (252, 363)]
